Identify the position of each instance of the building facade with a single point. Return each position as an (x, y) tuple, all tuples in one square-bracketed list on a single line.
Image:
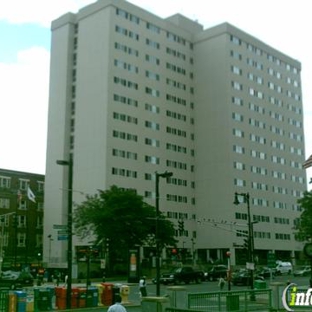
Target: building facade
[(132, 94), (21, 219)]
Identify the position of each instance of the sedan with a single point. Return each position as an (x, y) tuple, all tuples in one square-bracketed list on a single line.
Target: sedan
[(16, 280), (265, 272), (244, 278), (303, 271)]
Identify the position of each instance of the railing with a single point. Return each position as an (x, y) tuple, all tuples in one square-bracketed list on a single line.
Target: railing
[(4, 300), (179, 310), (248, 300)]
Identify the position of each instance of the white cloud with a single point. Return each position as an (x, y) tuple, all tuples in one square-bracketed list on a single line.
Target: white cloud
[(23, 110)]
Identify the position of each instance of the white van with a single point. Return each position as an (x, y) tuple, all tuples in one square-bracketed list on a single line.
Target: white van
[(283, 268)]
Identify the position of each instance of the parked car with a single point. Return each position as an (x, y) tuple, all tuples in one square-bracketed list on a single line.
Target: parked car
[(303, 271), (181, 275), (244, 278), (216, 272), (265, 272), (16, 280)]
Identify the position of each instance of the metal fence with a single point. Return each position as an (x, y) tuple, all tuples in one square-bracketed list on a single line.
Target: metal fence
[(247, 300), (4, 300)]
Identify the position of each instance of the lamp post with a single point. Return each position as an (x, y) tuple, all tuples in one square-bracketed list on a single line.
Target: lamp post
[(50, 246), (88, 259), (158, 175), (250, 234), (229, 273), (69, 163)]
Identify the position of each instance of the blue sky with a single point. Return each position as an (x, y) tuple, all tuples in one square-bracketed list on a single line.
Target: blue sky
[(24, 59), (20, 37)]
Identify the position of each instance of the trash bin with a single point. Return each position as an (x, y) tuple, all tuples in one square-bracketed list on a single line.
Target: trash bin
[(89, 298), (51, 291), (107, 294), (30, 302), (116, 291), (260, 284), (92, 296), (100, 293), (21, 301), (232, 303), (44, 303), (12, 302), (60, 300), (74, 297), (82, 297)]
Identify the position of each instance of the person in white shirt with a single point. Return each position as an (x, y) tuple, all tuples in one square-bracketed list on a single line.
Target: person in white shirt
[(117, 306), (142, 286)]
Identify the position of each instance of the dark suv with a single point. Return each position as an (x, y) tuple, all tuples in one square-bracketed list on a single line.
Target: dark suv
[(16, 280), (216, 272)]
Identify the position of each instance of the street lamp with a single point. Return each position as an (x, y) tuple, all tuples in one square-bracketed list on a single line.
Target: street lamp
[(158, 175), (50, 246), (250, 234), (69, 163)]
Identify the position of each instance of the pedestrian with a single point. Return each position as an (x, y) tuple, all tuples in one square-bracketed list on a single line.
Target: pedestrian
[(142, 286), (221, 282), (117, 306)]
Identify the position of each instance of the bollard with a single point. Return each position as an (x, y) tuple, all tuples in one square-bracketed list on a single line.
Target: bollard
[(124, 294)]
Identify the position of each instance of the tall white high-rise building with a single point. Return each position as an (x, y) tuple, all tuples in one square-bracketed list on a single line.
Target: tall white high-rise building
[(132, 94)]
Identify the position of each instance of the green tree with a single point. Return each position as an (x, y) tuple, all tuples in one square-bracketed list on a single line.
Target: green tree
[(304, 226), (123, 218)]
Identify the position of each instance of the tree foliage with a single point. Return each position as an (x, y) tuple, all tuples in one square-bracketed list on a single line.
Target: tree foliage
[(304, 227), (122, 217)]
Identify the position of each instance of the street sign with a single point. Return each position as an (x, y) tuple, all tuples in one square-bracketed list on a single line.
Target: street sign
[(271, 260), (62, 237), (62, 232), (59, 226)]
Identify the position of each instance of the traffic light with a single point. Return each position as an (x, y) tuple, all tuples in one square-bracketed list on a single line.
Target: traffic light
[(181, 225), (246, 244)]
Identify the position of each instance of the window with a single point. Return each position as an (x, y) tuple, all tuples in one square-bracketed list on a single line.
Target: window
[(5, 182), (152, 108), (152, 59), (153, 28), (239, 149), (21, 221), (124, 172), (22, 205), (23, 184), (151, 75), (39, 240), (21, 239), (152, 125), (152, 92), (235, 40), (237, 117), (152, 44), (236, 70), (238, 133), (239, 166), (39, 222), (152, 160), (40, 186), (152, 142), (4, 203)]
